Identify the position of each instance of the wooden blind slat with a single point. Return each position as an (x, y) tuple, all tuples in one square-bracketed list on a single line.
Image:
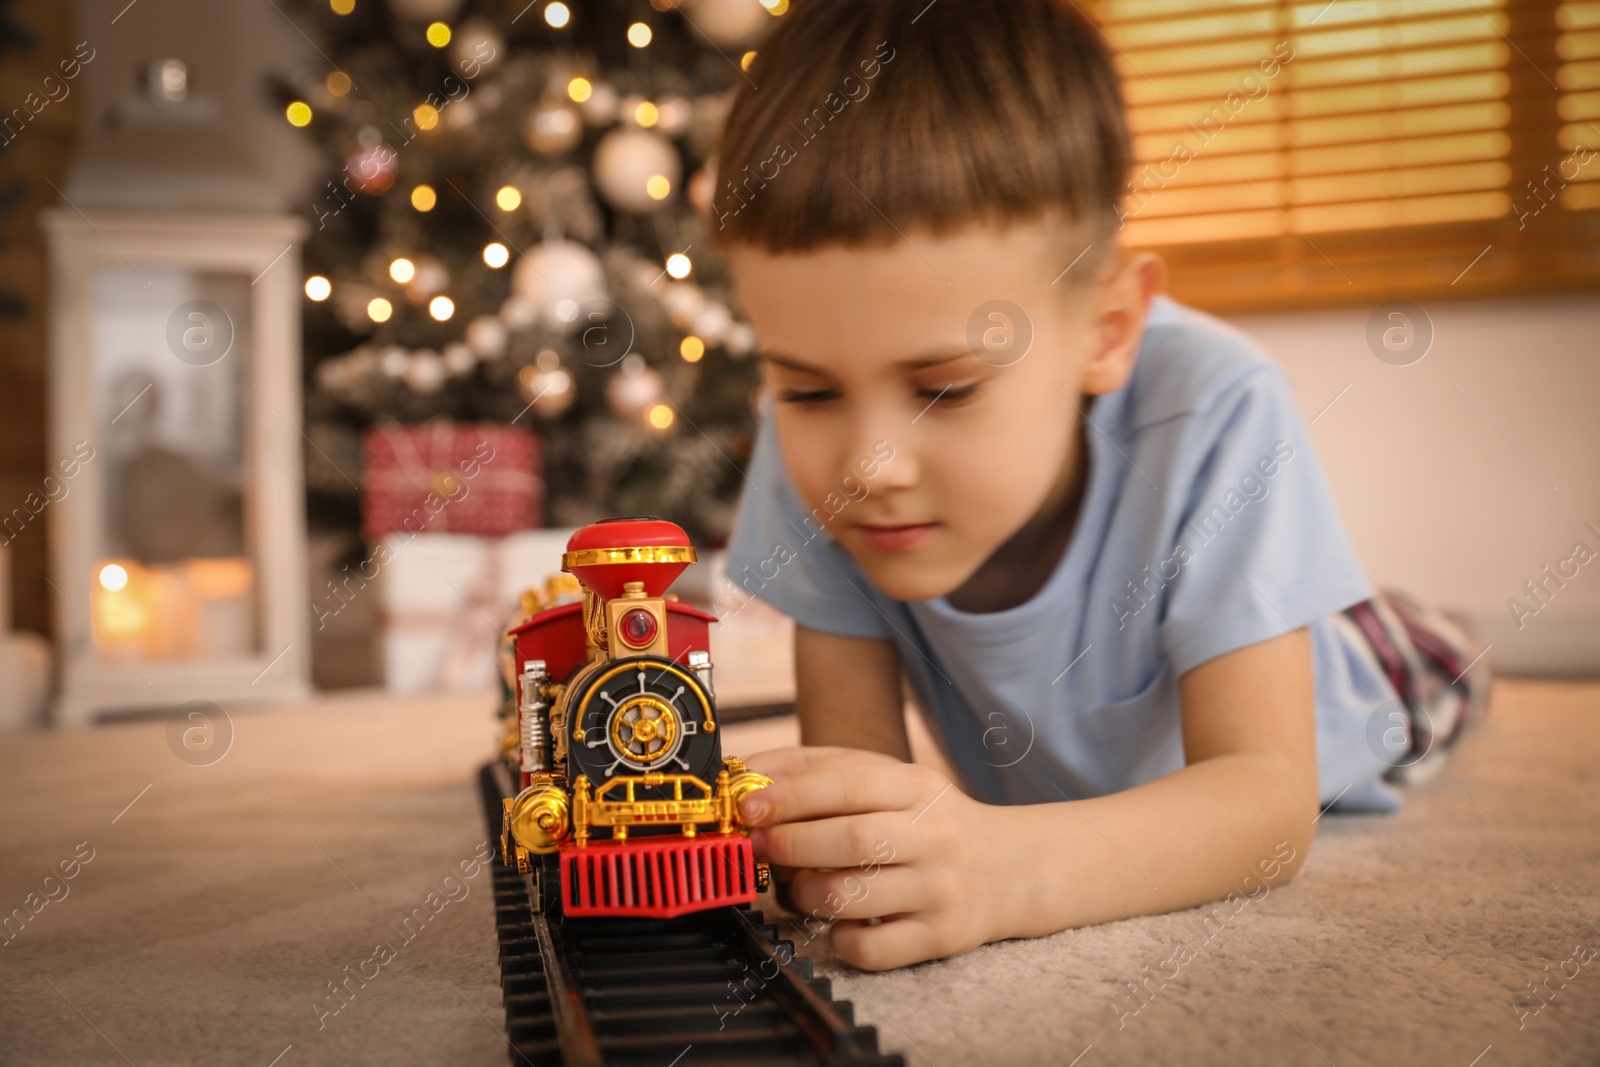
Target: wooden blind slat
[(1401, 135)]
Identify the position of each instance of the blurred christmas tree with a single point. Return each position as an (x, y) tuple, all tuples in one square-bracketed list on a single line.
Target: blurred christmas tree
[(514, 229)]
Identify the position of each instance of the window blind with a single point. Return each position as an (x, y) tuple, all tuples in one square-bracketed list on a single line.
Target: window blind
[(1340, 151)]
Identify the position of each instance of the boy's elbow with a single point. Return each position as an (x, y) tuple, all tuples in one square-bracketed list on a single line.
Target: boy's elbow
[(1297, 816)]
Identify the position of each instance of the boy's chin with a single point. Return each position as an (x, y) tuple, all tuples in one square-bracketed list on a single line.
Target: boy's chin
[(906, 577)]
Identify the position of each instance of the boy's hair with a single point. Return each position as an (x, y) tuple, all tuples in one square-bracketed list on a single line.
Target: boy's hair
[(861, 119)]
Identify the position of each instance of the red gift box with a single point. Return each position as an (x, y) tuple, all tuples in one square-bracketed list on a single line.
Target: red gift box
[(475, 478)]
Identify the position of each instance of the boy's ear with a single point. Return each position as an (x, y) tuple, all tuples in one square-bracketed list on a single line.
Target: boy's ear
[(1117, 321)]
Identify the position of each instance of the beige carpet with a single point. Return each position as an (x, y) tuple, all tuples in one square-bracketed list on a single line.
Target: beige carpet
[(220, 900)]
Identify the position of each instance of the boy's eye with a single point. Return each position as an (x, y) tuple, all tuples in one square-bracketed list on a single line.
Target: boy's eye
[(806, 396), (948, 394)]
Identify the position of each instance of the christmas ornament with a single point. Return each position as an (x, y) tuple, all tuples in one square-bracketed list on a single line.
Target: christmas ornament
[(600, 109), (430, 277), (633, 388), (394, 361), (475, 47), (636, 170), (459, 359), (425, 374), (713, 321), (371, 170), (682, 301), (729, 23), (740, 340), (518, 312), (460, 116), (552, 129), (486, 337), (673, 115), (546, 385), (556, 273)]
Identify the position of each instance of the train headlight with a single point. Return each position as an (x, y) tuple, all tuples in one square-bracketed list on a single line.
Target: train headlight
[(637, 628), (540, 817)]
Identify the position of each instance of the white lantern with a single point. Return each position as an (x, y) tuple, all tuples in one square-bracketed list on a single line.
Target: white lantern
[(175, 402)]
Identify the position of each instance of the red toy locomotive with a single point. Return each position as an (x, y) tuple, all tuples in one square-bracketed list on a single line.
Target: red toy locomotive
[(624, 803)]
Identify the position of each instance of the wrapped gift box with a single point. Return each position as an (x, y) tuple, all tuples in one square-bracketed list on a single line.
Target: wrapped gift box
[(469, 478), (446, 596)]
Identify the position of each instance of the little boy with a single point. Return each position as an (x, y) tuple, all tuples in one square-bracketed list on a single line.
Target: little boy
[(1083, 523)]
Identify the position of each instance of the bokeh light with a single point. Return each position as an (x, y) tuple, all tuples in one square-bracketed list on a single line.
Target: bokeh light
[(113, 577)]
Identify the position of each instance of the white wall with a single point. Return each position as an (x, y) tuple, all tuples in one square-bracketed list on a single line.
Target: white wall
[(1458, 507), (248, 157)]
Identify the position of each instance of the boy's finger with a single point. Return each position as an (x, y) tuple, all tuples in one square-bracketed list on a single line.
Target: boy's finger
[(854, 893), (858, 841), (892, 943), (848, 788), (798, 760)]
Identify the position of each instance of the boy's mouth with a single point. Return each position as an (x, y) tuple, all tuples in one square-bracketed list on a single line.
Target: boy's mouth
[(895, 537)]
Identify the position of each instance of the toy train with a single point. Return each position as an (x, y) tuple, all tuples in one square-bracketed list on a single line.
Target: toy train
[(623, 803)]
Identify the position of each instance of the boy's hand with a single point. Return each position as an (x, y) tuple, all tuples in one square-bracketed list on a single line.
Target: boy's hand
[(876, 838)]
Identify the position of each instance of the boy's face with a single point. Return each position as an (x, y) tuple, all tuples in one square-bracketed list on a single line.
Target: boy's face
[(905, 344)]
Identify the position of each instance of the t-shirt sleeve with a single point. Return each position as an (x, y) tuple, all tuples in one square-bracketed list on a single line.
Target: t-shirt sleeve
[(1260, 549), (784, 555)]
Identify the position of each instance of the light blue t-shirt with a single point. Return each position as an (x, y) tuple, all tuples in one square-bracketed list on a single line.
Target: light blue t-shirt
[(1206, 526)]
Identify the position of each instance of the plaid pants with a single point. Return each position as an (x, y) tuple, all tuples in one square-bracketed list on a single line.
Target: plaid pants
[(1438, 670)]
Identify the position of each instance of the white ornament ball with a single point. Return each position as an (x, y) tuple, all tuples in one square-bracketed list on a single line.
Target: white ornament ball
[(740, 340), (552, 130), (461, 115), (518, 312), (394, 361), (633, 388), (557, 270), (486, 337), (475, 46), (730, 23), (426, 373), (459, 359), (430, 278), (625, 161), (601, 107), (682, 301), (712, 323), (673, 115)]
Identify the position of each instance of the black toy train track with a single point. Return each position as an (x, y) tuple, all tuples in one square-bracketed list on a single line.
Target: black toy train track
[(642, 991)]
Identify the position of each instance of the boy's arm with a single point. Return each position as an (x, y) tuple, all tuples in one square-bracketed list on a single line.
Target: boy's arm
[(1213, 827), (947, 873), (859, 676)]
